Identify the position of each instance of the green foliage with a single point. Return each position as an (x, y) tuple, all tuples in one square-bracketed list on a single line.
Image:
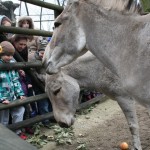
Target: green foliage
[(81, 146), (38, 139), (62, 136), (146, 5)]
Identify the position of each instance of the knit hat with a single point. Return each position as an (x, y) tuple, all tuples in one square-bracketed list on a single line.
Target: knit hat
[(49, 38), (4, 18), (6, 48)]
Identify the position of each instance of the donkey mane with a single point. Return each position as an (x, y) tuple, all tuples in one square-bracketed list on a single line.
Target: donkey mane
[(125, 6)]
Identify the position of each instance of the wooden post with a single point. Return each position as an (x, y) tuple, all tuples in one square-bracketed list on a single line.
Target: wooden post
[(10, 141)]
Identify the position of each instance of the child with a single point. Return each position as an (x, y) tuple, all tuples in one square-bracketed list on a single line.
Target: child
[(20, 44), (44, 105), (10, 88), (28, 91), (25, 22), (32, 44), (4, 21)]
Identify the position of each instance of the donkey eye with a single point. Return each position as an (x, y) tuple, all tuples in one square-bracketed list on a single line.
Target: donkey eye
[(57, 24), (57, 91)]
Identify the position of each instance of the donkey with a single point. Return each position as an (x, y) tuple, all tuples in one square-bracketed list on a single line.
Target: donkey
[(63, 90), (114, 33)]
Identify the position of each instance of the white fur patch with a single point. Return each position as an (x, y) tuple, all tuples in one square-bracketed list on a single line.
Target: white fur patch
[(81, 39)]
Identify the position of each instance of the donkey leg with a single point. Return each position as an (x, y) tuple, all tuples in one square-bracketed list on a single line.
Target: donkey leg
[(128, 107), (148, 109)]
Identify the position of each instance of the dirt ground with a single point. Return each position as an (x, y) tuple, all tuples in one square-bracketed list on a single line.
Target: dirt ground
[(105, 128)]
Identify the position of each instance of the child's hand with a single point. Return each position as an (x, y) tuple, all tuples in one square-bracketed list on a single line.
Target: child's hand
[(6, 102), (29, 86), (22, 97)]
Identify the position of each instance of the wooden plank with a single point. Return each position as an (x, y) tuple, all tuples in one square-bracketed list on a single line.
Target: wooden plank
[(39, 118), (17, 30), (20, 102), (100, 99), (31, 121), (10, 141), (20, 65)]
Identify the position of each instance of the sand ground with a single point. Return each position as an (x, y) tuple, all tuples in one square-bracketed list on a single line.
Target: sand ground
[(105, 128)]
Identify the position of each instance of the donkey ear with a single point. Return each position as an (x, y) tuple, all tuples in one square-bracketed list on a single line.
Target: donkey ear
[(55, 85)]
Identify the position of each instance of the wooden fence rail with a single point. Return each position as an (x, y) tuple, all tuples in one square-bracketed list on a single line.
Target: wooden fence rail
[(17, 30), (20, 102), (20, 65), (44, 4), (39, 118)]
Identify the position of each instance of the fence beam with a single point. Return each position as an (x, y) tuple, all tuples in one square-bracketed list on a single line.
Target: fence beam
[(31, 121), (20, 65), (11, 141), (44, 4), (20, 102), (17, 30), (39, 118)]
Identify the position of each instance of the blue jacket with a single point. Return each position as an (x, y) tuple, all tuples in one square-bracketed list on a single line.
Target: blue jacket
[(10, 87)]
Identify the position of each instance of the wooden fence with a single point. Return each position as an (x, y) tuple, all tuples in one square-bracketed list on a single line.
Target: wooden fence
[(28, 65)]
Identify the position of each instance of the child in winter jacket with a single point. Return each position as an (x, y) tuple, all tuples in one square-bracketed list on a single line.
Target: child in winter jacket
[(10, 88), (44, 105)]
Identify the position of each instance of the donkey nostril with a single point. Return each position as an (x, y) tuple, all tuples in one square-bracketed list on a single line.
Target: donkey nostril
[(63, 125)]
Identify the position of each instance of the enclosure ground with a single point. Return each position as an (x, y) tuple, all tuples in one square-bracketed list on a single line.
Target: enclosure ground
[(105, 128)]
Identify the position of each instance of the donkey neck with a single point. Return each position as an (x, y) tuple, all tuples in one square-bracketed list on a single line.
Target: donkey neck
[(110, 36), (91, 74), (83, 70)]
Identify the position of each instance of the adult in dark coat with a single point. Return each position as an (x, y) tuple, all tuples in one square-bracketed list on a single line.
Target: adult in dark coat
[(20, 44)]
